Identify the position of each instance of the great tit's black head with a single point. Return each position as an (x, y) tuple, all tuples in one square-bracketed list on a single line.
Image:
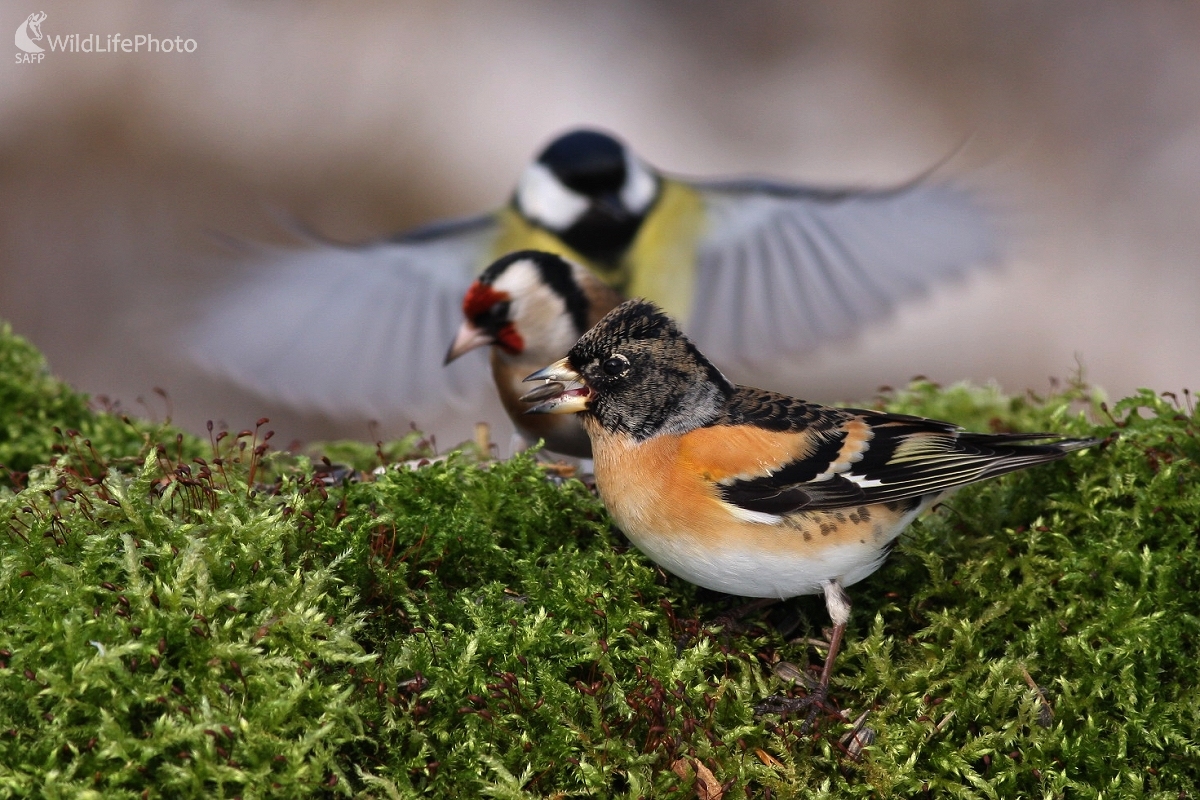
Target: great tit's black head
[(588, 162), (644, 376), (590, 190)]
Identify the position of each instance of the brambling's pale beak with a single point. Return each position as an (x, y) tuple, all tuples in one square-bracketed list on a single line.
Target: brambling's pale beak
[(560, 370), (557, 397), (546, 391), (467, 339)]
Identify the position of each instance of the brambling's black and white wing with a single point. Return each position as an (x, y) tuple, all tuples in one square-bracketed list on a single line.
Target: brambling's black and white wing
[(354, 330), (854, 458), (783, 269)]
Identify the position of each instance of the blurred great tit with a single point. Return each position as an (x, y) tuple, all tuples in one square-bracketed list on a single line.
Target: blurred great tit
[(755, 270)]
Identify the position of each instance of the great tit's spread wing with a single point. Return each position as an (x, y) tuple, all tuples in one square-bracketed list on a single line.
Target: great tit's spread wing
[(783, 269), (354, 330)]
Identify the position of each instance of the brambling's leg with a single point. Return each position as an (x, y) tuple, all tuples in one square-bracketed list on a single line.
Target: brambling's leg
[(838, 604)]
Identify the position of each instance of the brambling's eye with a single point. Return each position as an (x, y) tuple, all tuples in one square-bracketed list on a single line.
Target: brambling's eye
[(615, 365)]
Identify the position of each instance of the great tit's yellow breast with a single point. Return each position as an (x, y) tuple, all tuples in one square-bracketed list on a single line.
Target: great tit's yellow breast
[(518, 233), (662, 260), (660, 264)]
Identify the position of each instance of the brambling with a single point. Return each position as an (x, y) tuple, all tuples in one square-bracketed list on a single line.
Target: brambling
[(751, 492), (756, 269), (530, 307)]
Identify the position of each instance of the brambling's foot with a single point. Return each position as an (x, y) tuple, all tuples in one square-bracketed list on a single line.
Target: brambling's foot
[(818, 694), (816, 701)]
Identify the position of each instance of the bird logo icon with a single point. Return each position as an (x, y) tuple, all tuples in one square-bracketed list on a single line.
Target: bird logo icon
[(29, 33)]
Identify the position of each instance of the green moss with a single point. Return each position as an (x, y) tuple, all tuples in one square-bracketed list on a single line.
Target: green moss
[(170, 624), (159, 638), (42, 419), (1085, 575)]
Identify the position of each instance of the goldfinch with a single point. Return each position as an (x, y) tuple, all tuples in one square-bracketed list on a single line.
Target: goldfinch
[(756, 270), (750, 492), (530, 307)]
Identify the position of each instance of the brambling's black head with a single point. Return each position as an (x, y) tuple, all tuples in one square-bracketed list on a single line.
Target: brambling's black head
[(640, 376), (527, 300), (590, 190)]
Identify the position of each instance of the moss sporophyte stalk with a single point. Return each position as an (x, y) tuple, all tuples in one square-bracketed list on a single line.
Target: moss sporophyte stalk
[(188, 616)]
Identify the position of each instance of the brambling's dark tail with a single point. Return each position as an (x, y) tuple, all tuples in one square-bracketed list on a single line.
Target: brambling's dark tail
[(1051, 442), (1014, 451)]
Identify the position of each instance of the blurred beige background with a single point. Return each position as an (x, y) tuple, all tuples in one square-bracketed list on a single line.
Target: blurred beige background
[(1082, 124)]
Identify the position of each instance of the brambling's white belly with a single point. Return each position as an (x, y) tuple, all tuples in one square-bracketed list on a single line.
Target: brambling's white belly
[(687, 531), (749, 570)]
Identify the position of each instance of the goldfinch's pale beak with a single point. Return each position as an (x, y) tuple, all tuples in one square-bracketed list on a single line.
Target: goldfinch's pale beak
[(556, 397), (468, 338)]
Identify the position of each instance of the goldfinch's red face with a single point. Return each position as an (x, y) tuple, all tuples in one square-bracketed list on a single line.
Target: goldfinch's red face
[(489, 309), (530, 305), (487, 321)]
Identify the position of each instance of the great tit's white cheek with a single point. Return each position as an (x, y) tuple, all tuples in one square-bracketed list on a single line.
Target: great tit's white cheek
[(544, 199), (640, 186)]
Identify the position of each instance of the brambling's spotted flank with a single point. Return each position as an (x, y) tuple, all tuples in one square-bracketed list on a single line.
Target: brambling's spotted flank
[(750, 492), (530, 307), (755, 269)]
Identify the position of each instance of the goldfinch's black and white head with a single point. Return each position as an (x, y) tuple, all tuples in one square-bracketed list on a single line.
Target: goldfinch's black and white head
[(529, 304), (591, 191)]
